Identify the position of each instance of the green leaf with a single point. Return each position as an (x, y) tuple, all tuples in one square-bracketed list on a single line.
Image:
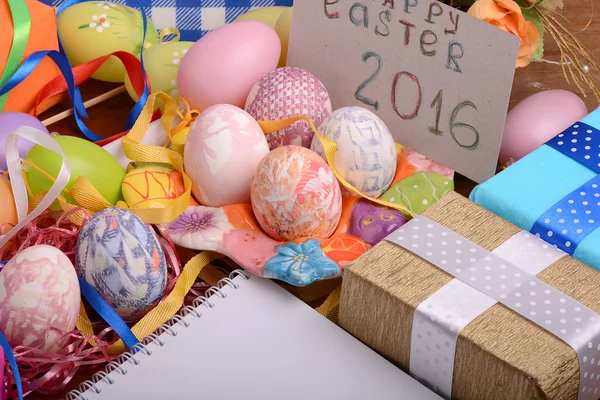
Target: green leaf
[(531, 16), (83, 26)]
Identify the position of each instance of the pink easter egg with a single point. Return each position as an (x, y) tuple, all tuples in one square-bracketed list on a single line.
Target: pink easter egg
[(289, 92), (537, 119), (39, 291), (222, 67), (295, 195), (223, 148)]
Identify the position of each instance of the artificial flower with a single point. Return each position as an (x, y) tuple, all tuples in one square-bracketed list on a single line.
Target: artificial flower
[(200, 228)]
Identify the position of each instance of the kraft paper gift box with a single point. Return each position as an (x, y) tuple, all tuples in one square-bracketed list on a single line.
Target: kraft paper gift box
[(455, 338), (42, 36), (554, 192)]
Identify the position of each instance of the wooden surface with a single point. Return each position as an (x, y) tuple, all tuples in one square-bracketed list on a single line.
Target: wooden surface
[(109, 117)]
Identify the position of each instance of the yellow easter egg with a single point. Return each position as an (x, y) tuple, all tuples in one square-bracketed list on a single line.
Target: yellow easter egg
[(282, 27), (93, 29), (162, 62), (8, 211), (152, 186), (268, 15)]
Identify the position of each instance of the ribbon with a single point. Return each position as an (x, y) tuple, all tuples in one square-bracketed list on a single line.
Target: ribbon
[(330, 148), (18, 181), (2, 365), (8, 353), (573, 218), (22, 26), (515, 288), (139, 105)]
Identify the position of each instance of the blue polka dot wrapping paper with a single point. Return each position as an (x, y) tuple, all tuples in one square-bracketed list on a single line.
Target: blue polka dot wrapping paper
[(554, 192), (193, 18)]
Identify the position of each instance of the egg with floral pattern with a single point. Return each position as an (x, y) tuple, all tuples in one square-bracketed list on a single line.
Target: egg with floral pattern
[(119, 255), (39, 297), (295, 195), (289, 92)]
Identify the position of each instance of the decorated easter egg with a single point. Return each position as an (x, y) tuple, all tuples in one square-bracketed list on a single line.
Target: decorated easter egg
[(89, 30), (85, 159), (120, 256), (8, 211), (289, 92), (39, 297), (152, 186), (419, 191), (268, 15), (223, 148), (9, 121), (366, 151), (223, 65), (295, 195), (162, 63), (537, 119), (282, 27)]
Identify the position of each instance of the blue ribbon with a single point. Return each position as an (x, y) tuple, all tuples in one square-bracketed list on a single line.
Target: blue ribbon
[(139, 105), (568, 222), (8, 353)]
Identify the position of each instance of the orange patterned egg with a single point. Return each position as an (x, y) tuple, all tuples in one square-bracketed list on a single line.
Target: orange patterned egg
[(152, 186)]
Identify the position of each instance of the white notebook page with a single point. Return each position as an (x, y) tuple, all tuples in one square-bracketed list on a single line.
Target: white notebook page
[(259, 342)]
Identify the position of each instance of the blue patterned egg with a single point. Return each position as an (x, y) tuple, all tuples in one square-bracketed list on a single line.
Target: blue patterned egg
[(366, 152), (120, 256)]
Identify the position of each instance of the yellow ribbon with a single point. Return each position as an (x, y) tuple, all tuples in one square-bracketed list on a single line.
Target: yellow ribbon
[(163, 34), (330, 148)]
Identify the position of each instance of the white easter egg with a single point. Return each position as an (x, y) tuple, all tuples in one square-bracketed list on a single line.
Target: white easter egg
[(39, 291), (366, 152)]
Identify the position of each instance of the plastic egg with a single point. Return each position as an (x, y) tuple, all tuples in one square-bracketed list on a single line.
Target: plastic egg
[(537, 119), (295, 195), (85, 159), (90, 30), (119, 255), (268, 15), (366, 151), (282, 27), (289, 92), (152, 186), (8, 211), (223, 65), (223, 148), (162, 63), (39, 291), (9, 122)]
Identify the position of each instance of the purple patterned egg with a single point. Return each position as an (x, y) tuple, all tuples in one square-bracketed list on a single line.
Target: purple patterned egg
[(119, 255), (289, 92), (39, 297)]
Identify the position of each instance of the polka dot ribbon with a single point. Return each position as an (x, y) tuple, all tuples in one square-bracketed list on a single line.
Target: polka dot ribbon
[(498, 279), (568, 222)]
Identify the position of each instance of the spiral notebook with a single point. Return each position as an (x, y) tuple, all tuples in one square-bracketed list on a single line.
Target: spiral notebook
[(251, 340)]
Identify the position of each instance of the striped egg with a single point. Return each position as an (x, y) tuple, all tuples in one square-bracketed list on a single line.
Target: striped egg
[(119, 255)]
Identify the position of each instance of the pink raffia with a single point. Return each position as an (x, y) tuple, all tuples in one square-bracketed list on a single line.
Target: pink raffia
[(50, 373)]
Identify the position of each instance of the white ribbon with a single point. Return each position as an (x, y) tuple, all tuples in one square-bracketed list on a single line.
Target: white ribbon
[(18, 181), (484, 278)]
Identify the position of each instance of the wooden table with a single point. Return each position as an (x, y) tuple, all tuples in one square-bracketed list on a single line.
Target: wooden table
[(109, 117)]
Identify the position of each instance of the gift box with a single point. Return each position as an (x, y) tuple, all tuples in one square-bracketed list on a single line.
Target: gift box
[(193, 18), (552, 192), (453, 298), (42, 36)]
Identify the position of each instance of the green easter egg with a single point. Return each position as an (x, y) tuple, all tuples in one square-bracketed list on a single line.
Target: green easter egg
[(162, 63), (93, 29), (85, 159), (419, 191), (268, 15)]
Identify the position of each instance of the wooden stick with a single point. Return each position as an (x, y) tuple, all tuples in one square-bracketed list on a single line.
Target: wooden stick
[(87, 104)]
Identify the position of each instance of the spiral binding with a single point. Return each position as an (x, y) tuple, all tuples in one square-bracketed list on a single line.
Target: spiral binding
[(142, 347)]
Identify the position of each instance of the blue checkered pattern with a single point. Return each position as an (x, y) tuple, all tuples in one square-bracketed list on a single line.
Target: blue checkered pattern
[(193, 18)]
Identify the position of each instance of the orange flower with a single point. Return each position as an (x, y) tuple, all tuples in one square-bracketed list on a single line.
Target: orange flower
[(507, 15)]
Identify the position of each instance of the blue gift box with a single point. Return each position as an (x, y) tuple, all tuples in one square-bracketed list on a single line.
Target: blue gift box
[(554, 191), (193, 18)]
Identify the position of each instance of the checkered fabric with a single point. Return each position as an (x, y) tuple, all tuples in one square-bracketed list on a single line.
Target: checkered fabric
[(193, 18)]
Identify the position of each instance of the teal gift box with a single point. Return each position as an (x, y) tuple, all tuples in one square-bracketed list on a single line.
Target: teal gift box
[(554, 192)]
